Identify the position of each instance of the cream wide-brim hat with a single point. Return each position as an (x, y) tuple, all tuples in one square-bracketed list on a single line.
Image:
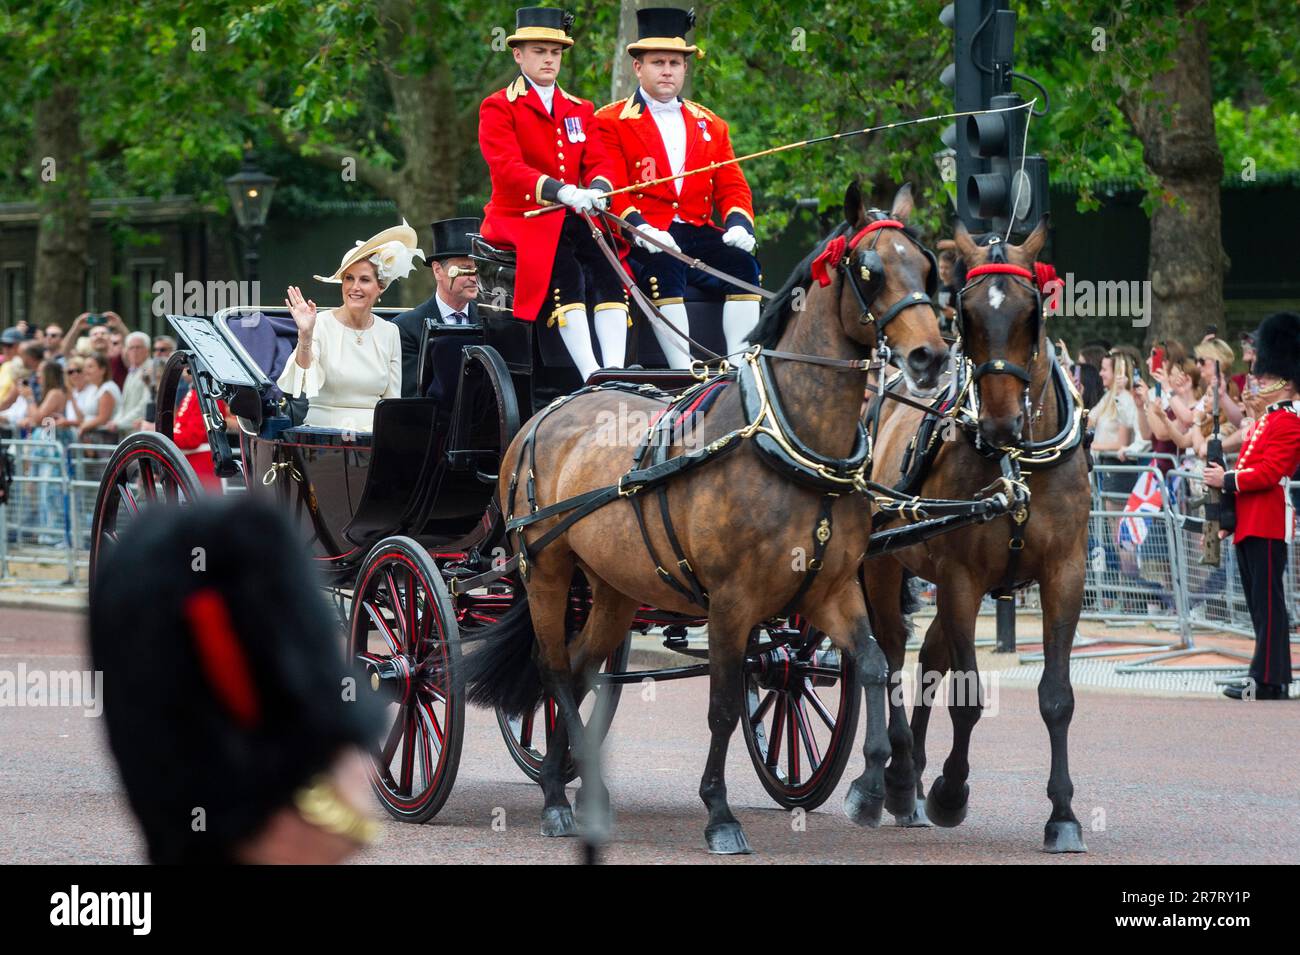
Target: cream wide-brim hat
[(363, 250)]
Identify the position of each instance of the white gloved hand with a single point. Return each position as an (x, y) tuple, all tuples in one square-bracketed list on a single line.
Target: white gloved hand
[(739, 237), (579, 200), (662, 235)]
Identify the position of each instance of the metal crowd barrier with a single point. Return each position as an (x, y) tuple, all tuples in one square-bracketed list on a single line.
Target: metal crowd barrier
[(35, 526)]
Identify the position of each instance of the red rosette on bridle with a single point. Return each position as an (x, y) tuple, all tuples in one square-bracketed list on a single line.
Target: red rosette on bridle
[(821, 265), (1048, 284)]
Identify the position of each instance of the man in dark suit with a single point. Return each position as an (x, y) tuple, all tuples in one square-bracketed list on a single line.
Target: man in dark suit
[(452, 303)]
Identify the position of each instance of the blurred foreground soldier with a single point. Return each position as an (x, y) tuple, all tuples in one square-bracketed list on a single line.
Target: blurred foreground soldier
[(655, 133), (1264, 519), (225, 691)]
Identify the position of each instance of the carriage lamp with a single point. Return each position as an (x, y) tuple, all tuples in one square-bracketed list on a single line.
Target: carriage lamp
[(250, 192)]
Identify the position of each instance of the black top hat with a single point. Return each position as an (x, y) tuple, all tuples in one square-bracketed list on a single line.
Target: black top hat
[(542, 23), (663, 28), (451, 239), (1277, 346), (223, 676)]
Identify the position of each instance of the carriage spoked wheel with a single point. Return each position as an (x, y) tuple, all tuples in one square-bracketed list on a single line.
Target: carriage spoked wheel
[(405, 644), (802, 702), (144, 471), (528, 738)]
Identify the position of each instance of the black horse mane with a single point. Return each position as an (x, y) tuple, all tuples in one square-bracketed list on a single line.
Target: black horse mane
[(777, 310)]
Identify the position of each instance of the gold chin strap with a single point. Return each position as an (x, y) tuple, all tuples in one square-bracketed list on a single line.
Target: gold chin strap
[(321, 805)]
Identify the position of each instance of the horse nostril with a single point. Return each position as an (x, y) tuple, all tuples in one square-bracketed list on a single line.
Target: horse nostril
[(920, 358)]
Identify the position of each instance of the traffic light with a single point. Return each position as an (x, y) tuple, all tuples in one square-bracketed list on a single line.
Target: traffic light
[(989, 148)]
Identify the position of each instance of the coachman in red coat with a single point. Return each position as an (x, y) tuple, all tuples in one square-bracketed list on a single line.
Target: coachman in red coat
[(1264, 524), (655, 133), (542, 150)]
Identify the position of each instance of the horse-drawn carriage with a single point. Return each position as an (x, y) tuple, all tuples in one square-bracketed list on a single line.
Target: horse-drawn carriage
[(408, 524)]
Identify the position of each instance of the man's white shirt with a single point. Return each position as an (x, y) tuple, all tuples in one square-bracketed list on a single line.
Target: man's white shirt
[(672, 130), (448, 312), (547, 93)]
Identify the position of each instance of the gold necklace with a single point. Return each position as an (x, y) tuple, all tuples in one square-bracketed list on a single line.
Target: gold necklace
[(358, 332)]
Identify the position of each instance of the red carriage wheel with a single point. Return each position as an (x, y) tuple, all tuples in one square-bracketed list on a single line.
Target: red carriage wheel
[(405, 642), (528, 738), (144, 471), (802, 702)]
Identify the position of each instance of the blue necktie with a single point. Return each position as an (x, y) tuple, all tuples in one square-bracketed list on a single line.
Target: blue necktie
[(460, 317)]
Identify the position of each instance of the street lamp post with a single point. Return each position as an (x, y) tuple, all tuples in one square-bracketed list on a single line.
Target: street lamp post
[(250, 192)]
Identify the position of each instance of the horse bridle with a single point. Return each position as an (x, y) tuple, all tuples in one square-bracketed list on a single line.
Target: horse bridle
[(998, 265), (871, 270)]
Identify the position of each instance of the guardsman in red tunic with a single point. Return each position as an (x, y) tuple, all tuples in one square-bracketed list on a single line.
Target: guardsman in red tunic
[(655, 133), (542, 149), (1270, 454)]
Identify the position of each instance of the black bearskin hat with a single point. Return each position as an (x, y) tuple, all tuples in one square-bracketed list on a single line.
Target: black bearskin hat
[(1277, 346), (223, 674)]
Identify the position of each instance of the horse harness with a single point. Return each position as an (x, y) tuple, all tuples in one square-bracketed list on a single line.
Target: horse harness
[(774, 439), (960, 403)]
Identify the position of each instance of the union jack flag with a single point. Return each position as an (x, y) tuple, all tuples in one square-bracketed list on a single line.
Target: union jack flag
[(1145, 499)]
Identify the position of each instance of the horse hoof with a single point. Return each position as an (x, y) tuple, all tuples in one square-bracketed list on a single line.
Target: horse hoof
[(1064, 836), (863, 810), (917, 819), (558, 821), (940, 814), (727, 839)]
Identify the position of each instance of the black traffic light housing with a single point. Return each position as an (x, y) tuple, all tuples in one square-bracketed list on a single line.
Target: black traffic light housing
[(989, 148)]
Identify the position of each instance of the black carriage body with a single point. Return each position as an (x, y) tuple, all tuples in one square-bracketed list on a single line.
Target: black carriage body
[(426, 471)]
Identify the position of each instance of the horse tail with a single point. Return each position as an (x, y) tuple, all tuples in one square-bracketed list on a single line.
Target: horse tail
[(908, 601), (501, 672)]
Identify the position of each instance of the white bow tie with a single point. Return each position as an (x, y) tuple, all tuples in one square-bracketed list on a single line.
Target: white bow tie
[(674, 105)]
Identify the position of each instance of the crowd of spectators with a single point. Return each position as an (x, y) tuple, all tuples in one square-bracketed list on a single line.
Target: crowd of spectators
[(1162, 405), (95, 382)]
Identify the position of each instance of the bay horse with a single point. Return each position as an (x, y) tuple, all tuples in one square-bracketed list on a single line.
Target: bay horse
[(1026, 403), (734, 530)]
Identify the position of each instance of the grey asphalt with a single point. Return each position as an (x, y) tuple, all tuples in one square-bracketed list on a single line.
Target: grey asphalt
[(1157, 780)]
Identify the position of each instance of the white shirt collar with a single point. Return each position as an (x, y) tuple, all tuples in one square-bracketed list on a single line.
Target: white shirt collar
[(674, 105), (547, 93), (446, 309)]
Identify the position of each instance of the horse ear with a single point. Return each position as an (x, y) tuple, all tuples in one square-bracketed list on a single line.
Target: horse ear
[(853, 203), (1034, 244), (965, 244), (903, 204)]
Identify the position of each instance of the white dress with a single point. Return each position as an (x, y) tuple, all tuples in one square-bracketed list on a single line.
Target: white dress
[(350, 371)]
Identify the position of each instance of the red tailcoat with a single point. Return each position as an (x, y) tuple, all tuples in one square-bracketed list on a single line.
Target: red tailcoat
[(632, 138), (1270, 453), (524, 145)]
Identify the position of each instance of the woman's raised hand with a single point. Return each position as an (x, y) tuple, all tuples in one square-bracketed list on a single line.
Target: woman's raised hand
[(303, 311)]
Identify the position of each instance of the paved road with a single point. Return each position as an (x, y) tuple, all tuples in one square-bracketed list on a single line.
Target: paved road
[(1157, 780)]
